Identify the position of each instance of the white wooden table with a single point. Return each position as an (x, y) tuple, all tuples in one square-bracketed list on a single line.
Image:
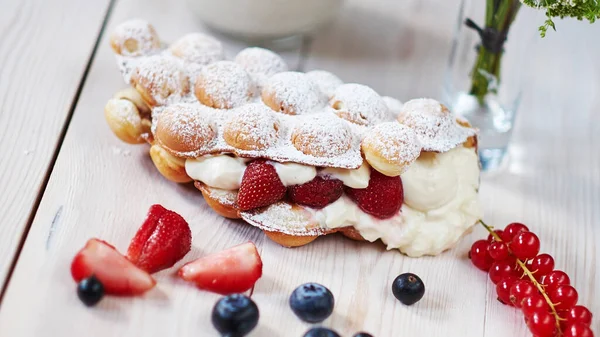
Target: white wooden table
[(65, 178)]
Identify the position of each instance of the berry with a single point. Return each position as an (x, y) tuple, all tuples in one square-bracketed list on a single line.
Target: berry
[(233, 270), (498, 232), (533, 303), (541, 265), (382, 198), (312, 302), (554, 279), (503, 289), (577, 330), (321, 332), (500, 270), (577, 314), (162, 240), (542, 324), (118, 275), (498, 251), (512, 230), (525, 245), (480, 256), (362, 334), (520, 290), (235, 315), (564, 297), (317, 193), (260, 186), (90, 291), (408, 288)]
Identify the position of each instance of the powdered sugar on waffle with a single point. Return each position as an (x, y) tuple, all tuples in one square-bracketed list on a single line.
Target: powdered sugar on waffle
[(361, 103), (227, 82), (290, 220), (297, 90), (326, 81), (435, 126), (198, 48), (260, 63), (140, 33), (395, 142)]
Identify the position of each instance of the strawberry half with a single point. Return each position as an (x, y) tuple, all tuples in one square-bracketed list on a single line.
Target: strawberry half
[(163, 239), (382, 198), (317, 193), (118, 275), (260, 186), (234, 270)]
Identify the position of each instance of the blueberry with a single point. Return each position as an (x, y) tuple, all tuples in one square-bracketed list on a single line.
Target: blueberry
[(235, 315), (408, 288), (312, 302), (321, 332), (362, 334), (90, 291)]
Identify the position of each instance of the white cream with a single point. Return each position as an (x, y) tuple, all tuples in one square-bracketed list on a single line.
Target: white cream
[(431, 223), (221, 171), (294, 174), (358, 178)]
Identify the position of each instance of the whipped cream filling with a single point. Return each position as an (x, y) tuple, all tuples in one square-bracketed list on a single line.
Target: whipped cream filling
[(440, 204), (294, 174), (358, 178), (221, 171)]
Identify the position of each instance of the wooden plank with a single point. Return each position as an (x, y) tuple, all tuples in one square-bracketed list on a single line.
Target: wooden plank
[(102, 188), (44, 50)]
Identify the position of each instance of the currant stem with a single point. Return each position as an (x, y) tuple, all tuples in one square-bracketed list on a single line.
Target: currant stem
[(530, 275)]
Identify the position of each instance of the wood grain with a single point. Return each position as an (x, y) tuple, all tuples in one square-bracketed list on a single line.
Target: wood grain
[(44, 50), (101, 187)]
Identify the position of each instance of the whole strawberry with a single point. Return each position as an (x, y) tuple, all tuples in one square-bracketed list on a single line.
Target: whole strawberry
[(260, 186), (382, 198), (163, 239), (317, 193)]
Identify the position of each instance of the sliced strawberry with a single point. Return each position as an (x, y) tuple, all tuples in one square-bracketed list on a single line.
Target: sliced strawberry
[(317, 193), (163, 239), (260, 186), (118, 275), (233, 270), (382, 198)]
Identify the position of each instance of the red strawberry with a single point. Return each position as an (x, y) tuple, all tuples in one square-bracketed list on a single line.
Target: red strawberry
[(233, 270), (382, 198), (163, 239), (118, 275), (317, 193), (260, 186)]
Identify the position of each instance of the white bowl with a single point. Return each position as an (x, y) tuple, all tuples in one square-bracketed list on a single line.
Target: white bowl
[(265, 19)]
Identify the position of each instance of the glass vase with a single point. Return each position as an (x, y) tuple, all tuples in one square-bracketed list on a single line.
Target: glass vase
[(489, 95)]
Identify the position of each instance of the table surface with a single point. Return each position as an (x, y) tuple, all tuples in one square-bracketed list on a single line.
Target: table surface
[(66, 178)]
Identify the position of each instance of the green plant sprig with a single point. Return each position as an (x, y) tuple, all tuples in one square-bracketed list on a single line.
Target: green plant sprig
[(580, 9)]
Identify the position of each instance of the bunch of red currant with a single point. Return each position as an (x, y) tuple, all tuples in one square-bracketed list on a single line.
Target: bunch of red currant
[(527, 280)]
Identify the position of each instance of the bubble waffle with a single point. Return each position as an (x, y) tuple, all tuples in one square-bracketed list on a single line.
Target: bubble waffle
[(191, 104)]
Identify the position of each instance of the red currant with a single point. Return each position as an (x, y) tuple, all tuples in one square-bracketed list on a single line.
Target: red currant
[(577, 330), (532, 303), (519, 290), (479, 255), (513, 229), (541, 265), (564, 297), (500, 270), (503, 289), (554, 279), (525, 245), (577, 314), (498, 251), (498, 232), (541, 323)]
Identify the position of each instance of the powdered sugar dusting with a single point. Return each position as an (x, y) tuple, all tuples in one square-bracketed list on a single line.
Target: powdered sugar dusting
[(161, 77), (124, 111), (326, 81), (226, 83), (285, 218), (394, 105), (260, 63), (395, 142), (294, 92), (360, 104), (135, 37), (253, 124), (435, 126), (198, 48), (322, 136)]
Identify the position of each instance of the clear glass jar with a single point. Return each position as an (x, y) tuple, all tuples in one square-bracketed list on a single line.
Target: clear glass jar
[(493, 113)]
